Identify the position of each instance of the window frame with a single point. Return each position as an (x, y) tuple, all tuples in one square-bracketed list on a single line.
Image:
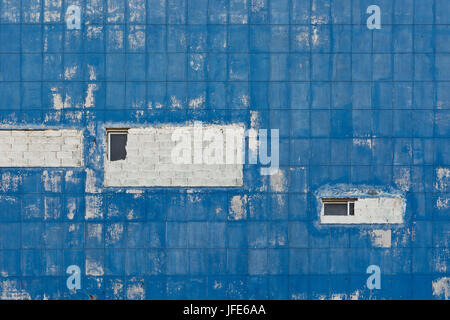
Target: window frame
[(347, 201), (109, 132)]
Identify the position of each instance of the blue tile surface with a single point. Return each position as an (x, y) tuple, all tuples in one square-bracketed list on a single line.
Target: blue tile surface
[(311, 69)]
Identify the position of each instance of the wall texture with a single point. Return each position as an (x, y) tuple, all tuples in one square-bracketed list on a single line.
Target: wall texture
[(357, 110)]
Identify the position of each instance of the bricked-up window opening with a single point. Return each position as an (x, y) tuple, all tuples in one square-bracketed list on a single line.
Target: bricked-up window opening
[(41, 148), (339, 206), (117, 142)]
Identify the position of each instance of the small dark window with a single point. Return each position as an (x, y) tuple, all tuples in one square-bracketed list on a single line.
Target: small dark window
[(351, 209), (117, 145), (335, 209), (338, 206)]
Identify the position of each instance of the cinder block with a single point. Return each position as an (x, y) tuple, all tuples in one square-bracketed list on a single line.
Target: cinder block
[(42, 148)]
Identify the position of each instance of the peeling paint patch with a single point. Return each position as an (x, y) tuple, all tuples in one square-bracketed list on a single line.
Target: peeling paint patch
[(52, 117), (257, 5), (381, 238), (137, 192), (298, 296), (117, 287), (442, 202), (315, 36), (131, 214), (338, 296), (175, 103), (197, 102), (52, 181), (442, 179), (196, 62), (402, 179), (244, 100), (278, 181), (136, 38), (93, 268), (238, 207), (70, 72), (71, 208), (255, 119), (93, 32), (93, 207), (363, 143), (278, 241), (10, 290), (58, 103), (91, 182), (91, 71), (441, 260), (9, 182), (89, 101), (302, 39), (115, 232), (441, 288), (355, 295), (52, 208), (193, 198), (95, 231), (318, 18), (136, 291), (114, 12), (217, 285)]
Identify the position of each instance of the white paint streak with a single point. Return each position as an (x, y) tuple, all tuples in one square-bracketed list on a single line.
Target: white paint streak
[(89, 101), (91, 182), (402, 179), (238, 207), (442, 179), (58, 103), (441, 288), (315, 36), (278, 182)]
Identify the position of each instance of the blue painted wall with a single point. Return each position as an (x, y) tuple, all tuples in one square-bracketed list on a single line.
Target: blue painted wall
[(310, 68)]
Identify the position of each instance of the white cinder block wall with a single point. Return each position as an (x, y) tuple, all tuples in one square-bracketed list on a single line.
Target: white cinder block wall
[(149, 163), (41, 148)]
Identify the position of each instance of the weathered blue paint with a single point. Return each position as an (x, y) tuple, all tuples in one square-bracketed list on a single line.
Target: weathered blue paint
[(322, 85)]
